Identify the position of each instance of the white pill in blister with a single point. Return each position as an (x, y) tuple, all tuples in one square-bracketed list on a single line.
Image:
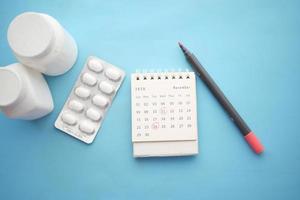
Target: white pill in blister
[(86, 127), (82, 92), (76, 106), (93, 114), (100, 100), (89, 79), (68, 118), (113, 74), (95, 65), (106, 87)]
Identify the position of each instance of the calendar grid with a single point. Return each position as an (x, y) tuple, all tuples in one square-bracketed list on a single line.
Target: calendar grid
[(164, 106)]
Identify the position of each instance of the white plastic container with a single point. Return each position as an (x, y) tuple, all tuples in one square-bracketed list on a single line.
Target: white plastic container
[(40, 42), (24, 93)]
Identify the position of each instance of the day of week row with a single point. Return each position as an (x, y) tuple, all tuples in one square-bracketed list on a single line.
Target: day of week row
[(162, 96)]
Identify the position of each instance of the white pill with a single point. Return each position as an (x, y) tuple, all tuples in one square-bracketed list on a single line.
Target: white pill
[(82, 92), (95, 65), (93, 114), (106, 87), (87, 127), (113, 74), (68, 118), (76, 106), (89, 79), (100, 101)]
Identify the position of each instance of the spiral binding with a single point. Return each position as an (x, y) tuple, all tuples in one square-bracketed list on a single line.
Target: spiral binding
[(159, 74)]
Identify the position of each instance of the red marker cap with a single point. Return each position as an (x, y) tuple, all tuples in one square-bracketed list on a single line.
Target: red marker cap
[(254, 143)]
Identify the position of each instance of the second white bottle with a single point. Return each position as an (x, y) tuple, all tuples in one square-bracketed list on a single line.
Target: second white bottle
[(24, 93)]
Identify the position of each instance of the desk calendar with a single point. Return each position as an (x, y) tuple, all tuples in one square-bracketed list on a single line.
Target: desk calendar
[(164, 114)]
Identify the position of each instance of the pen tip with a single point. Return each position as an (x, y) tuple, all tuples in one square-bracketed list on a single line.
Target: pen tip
[(180, 44), (183, 48)]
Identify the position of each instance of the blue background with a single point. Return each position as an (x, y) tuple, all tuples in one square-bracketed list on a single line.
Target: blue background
[(251, 48)]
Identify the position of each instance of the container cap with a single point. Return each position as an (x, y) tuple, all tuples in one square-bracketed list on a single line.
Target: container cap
[(30, 35), (10, 87)]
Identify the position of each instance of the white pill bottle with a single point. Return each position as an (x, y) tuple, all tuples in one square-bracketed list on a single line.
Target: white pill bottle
[(40, 42), (24, 93)]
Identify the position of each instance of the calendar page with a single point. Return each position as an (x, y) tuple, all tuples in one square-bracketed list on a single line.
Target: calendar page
[(163, 106)]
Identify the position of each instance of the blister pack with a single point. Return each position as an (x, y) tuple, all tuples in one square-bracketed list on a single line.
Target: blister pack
[(90, 99)]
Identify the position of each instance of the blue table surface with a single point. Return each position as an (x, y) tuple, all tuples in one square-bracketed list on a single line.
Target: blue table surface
[(251, 48)]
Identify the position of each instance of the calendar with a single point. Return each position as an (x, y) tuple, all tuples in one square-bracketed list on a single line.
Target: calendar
[(164, 114)]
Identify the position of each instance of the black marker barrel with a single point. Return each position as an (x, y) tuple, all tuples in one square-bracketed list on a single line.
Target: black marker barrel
[(249, 136)]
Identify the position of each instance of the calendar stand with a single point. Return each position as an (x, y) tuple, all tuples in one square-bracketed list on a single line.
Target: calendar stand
[(164, 114)]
